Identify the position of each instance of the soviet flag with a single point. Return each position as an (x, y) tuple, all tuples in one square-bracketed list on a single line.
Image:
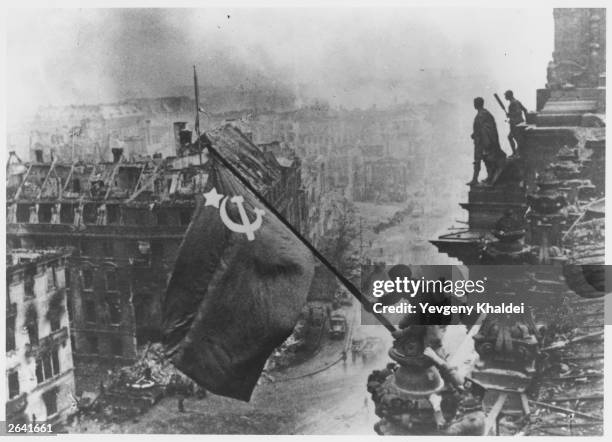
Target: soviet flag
[(238, 286)]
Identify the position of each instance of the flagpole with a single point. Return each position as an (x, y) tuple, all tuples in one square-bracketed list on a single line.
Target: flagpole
[(197, 111), (347, 284)]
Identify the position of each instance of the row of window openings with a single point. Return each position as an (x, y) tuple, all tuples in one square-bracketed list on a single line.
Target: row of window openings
[(31, 328), (107, 248), (93, 347), (91, 214), (47, 366), (113, 310), (110, 280), (29, 275)]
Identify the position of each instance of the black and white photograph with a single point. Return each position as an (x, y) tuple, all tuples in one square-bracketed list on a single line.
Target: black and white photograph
[(358, 219)]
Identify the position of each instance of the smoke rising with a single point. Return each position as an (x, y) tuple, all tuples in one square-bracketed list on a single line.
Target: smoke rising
[(350, 57)]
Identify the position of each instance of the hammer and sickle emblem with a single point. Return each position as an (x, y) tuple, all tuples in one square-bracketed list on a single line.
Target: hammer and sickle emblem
[(246, 227)]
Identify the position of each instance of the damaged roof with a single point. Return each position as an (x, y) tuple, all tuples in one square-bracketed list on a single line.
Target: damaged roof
[(155, 179)]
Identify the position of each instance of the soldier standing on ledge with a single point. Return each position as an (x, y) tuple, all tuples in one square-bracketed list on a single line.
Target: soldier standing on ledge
[(515, 117), (486, 144)]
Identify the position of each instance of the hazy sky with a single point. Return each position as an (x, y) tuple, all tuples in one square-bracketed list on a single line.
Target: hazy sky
[(351, 57)]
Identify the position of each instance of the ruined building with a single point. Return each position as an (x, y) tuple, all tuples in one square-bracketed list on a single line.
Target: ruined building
[(124, 221), (39, 367), (140, 126)]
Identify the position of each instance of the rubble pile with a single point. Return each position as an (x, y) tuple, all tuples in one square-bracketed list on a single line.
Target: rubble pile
[(285, 355), (133, 389), (153, 362), (303, 342)]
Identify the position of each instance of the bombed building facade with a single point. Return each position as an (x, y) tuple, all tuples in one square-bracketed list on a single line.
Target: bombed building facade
[(124, 221), (141, 126), (39, 365)]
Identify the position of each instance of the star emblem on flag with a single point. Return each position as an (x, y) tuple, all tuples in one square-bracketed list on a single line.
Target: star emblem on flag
[(213, 198)]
